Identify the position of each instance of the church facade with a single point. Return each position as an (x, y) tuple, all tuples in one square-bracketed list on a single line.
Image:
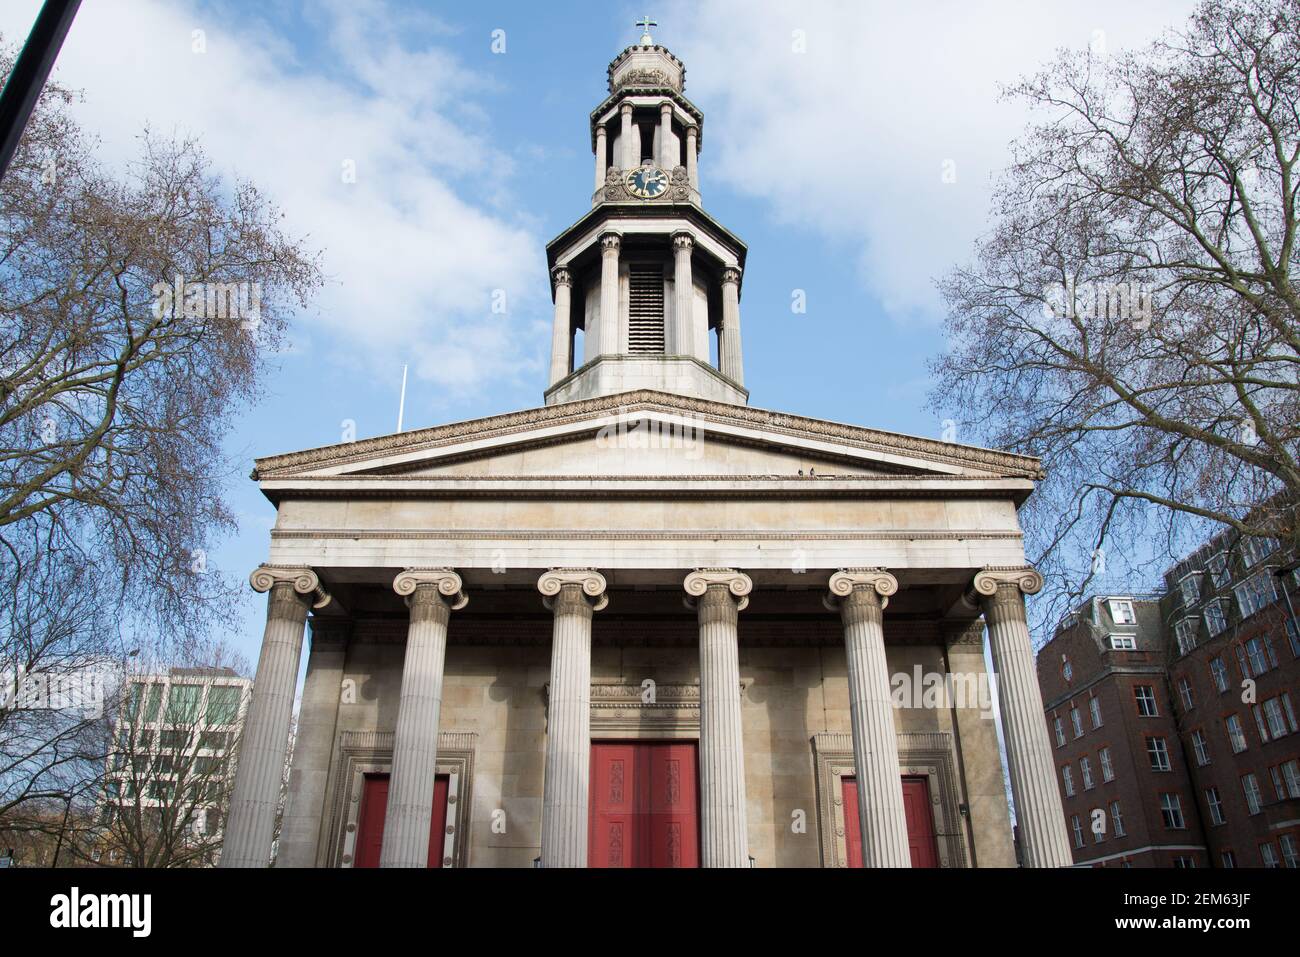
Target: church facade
[(646, 624)]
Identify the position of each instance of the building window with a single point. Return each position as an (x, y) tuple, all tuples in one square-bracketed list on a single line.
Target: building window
[(1123, 642), (1215, 621), (1077, 826), (1219, 671), (1076, 722), (1255, 593), (1116, 819), (1094, 710), (1255, 549), (1171, 810), (1268, 855), (645, 323), (1255, 656), (1201, 745), (1107, 771), (1250, 787), (1190, 586), (1185, 693), (1228, 858), (1236, 736), (1290, 853), (223, 704), (1215, 805), (1085, 769), (1185, 631), (1184, 862), (1146, 700), (1291, 775), (1275, 718), (1158, 752), (1278, 787), (1293, 637), (1067, 669), (1121, 611), (1067, 778), (1098, 825), (1060, 731), (1217, 566)]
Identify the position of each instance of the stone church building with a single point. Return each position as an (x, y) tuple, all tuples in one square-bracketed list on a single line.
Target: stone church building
[(646, 624)]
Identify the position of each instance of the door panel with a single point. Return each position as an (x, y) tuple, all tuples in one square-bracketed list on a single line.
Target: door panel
[(921, 839), (644, 805), (374, 808)]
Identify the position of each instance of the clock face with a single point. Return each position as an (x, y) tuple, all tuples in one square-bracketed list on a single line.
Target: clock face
[(647, 182)]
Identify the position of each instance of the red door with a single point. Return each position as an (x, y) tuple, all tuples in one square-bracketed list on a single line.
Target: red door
[(374, 806), (644, 805), (920, 822)]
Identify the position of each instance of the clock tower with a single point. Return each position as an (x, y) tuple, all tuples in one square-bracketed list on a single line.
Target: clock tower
[(646, 285)]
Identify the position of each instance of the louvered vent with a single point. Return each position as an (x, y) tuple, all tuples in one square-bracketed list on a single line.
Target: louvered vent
[(646, 309)]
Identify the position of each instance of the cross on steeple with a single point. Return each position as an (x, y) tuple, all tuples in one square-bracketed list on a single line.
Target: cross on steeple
[(645, 23)]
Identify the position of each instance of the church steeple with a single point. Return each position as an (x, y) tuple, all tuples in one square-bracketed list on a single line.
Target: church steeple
[(646, 276)]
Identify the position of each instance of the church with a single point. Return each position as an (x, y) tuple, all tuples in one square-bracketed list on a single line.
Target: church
[(645, 624)]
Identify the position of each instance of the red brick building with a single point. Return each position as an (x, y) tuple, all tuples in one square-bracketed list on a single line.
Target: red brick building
[(1174, 720)]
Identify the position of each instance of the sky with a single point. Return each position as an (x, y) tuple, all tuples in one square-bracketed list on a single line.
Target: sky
[(431, 149)]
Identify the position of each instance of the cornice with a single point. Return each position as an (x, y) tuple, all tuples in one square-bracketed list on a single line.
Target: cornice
[(1007, 464)]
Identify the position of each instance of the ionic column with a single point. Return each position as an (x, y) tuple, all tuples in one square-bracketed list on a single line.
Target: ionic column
[(265, 739), (692, 158), (1039, 813), (630, 160), (683, 296), (415, 744), (860, 594), (667, 155), (718, 595), (572, 595), (729, 358), (607, 332), (601, 152), (560, 326), (317, 720)]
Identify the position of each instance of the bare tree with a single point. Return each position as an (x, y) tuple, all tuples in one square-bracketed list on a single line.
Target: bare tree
[(137, 309), (1132, 316)]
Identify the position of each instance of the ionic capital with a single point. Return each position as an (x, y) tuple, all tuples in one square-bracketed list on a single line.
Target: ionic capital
[(698, 582), (562, 276), (444, 580), (304, 581), (591, 581), (875, 583), (1027, 579)]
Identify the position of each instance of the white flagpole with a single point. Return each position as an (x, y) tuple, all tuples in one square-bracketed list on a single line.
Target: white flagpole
[(401, 404)]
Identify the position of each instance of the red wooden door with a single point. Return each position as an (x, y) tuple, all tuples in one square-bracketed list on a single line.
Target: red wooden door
[(920, 822), (374, 807), (644, 805)]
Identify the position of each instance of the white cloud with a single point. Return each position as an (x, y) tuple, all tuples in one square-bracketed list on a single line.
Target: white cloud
[(849, 139), (412, 247)]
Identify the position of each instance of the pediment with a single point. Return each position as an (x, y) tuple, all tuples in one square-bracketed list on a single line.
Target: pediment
[(644, 435)]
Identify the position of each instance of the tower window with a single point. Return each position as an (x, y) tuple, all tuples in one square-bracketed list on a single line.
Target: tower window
[(646, 309)]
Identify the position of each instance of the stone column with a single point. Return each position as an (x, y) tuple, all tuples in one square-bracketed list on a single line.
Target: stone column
[(415, 744), (692, 156), (860, 594), (667, 155), (265, 739), (683, 296), (572, 595), (718, 595), (601, 151), (729, 359), (314, 747), (560, 328), (1029, 753), (630, 159), (607, 331)]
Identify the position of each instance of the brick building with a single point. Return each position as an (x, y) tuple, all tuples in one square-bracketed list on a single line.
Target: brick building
[(1173, 716)]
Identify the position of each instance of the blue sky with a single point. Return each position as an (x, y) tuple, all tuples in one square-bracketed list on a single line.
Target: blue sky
[(829, 128)]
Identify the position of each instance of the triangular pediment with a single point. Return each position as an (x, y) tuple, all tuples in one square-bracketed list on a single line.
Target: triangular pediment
[(643, 435)]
